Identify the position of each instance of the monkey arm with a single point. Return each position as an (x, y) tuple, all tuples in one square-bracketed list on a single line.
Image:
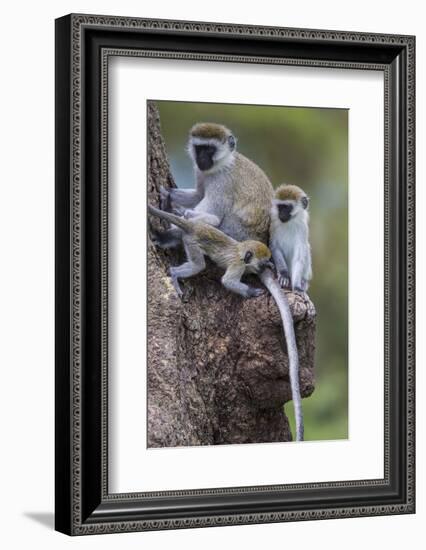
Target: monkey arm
[(296, 275), (279, 259), (301, 269), (308, 270), (195, 216), (188, 198), (307, 273), (232, 281), (209, 210), (204, 217), (281, 266)]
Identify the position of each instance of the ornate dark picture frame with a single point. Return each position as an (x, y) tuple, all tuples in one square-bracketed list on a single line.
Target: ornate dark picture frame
[(83, 45)]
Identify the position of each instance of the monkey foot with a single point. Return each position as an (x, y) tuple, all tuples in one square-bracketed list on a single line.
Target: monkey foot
[(176, 285), (255, 292), (284, 279)]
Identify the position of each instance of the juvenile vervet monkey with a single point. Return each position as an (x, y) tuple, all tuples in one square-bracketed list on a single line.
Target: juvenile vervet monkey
[(236, 258), (289, 237), (233, 194)]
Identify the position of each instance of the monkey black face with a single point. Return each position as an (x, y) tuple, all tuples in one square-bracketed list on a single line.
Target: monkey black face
[(259, 265), (284, 211), (204, 156)]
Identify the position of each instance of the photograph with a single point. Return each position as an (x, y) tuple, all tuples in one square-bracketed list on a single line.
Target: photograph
[(247, 273)]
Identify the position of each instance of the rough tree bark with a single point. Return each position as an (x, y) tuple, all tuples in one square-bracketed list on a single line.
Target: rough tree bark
[(217, 372)]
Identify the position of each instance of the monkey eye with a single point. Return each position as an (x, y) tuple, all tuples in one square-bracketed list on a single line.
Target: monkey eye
[(231, 142), (305, 202)]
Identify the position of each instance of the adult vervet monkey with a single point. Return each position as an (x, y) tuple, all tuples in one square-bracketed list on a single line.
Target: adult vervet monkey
[(231, 193)]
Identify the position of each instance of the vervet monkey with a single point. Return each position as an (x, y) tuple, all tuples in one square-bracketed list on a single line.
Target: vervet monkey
[(233, 194), (289, 237), (236, 258)]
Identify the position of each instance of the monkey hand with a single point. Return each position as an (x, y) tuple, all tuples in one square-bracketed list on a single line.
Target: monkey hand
[(284, 278), (179, 211), (186, 213), (254, 292), (165, 199)]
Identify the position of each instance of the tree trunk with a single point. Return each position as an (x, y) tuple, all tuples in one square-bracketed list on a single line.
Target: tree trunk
[(217, 366)]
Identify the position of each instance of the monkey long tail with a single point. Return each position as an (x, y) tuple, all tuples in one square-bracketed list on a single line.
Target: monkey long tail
[(184, 224), (293, 356)]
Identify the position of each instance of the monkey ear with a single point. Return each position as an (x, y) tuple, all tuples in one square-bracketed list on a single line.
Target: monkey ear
[(305, 202), (248, 256), (231, 142)]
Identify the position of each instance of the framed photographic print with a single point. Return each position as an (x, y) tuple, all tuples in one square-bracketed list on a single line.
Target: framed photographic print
[(234, 274)]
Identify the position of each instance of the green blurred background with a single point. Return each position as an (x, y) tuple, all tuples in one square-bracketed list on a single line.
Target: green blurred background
[(307, 147)]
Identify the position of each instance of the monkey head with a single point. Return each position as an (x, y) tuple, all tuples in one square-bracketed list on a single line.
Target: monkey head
[(289, 202), (211, 146), (255, 255)]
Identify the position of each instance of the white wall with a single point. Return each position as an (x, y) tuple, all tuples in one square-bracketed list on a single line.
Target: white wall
[(26, 303)]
